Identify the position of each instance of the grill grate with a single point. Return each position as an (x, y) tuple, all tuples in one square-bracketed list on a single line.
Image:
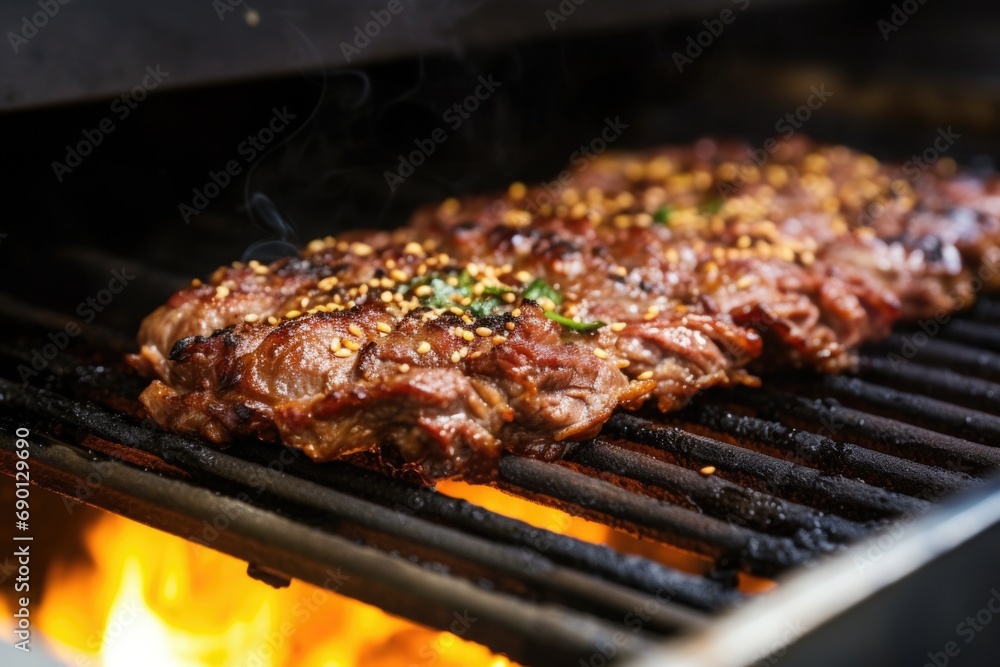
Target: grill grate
[(803, 467)]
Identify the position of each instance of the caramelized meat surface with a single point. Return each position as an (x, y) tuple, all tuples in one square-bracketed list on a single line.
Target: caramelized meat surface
[(520, 322)]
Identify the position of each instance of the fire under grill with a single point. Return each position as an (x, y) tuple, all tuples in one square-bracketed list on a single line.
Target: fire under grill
[(804, 467)]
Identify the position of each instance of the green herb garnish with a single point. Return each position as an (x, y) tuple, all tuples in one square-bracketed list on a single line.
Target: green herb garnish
[(539, 289), (663, 214), (445, 295), (573, 324)]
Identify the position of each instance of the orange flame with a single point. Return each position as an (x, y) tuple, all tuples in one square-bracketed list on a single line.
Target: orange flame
[(153, 599), (146, 597)]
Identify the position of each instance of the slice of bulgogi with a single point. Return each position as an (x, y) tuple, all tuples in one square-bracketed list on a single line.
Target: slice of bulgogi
[(520, 322)]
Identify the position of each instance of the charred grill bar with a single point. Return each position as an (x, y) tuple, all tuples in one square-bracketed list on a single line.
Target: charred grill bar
[(796, 479)]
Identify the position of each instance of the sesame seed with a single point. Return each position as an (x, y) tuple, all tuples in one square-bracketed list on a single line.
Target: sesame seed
[(498, 340), (404, 368), (355, 329), (343, 353), (523, 276), (335, 345), (455, 357), (386, 296), (645, 375), (292, 314), (413, 248), (509, 326), (464, 352), (272, 320), (517, 190), (195, 282), (618, 326), (484, 331), (221, 292), (361, 249), (251, 318), (363, 288), (651, 313), (707, 471), (398, 276), (468, 335), (516, 312), (351, 344), (623, 363), (600, 353), (424, 290), (383, 327), (509, 297), (424, 348)]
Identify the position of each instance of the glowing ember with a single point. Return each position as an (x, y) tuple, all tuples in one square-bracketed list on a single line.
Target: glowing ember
[(153, 599), (567, 524)]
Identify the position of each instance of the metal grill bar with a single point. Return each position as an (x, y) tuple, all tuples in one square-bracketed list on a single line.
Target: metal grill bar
[(847, 497), (944, 384), (841, 458), (551, 582), (633, 571), (885, 435), (532, 633), (986, 309), (975, 334), (718, 497), (955, 356), (916, 409), (731, 545)]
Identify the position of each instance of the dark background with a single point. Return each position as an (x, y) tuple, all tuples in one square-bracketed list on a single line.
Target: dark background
[(325, 172)]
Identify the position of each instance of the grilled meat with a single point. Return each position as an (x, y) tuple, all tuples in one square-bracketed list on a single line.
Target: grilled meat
[(520, 322)]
